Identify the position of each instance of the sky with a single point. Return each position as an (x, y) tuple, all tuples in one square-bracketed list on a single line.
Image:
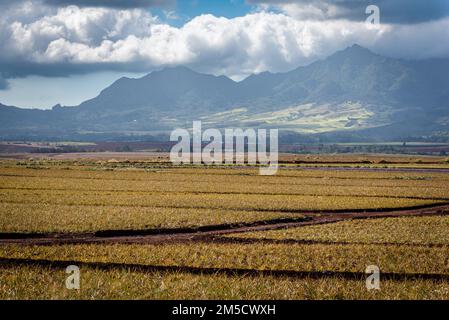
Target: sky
[(67, 51)]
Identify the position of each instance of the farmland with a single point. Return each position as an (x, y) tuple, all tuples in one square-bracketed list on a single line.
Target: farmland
[(142, 228)]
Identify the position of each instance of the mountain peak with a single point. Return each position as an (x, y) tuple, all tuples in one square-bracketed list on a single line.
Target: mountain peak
[(173, 72), (357, 46), (355, 55), (177, 69), (183, 73), (357, 49)]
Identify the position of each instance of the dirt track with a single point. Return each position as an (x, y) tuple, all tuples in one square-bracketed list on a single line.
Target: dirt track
[(210, 233)]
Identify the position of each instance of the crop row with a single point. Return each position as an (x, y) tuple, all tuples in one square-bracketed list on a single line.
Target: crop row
[(38, 217), (403, 230), (438, 190), (296, 257), (251, 202)]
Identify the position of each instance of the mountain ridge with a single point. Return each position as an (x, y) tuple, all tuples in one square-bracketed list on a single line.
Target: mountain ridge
[(352, 90)]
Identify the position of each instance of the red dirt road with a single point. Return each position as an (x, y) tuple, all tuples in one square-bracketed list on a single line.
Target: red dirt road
[(208, 233)]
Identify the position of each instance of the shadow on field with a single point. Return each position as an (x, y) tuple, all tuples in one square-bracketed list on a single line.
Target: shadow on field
[(105, 266)]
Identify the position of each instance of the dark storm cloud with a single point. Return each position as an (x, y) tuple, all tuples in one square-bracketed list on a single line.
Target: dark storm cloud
[(3, 83), (112, 3), (8, 3), (392, 11), (12, 70), (123, 4)]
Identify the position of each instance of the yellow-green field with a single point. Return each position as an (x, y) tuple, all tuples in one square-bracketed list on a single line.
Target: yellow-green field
[(404, 230), (45, 283), (67, 198)]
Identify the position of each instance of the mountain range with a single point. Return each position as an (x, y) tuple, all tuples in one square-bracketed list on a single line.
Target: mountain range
[(352, 93)]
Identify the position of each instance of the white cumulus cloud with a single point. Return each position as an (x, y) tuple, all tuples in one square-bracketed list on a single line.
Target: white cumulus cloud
[(70, 37)]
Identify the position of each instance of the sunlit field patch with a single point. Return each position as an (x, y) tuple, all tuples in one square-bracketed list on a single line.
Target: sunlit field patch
[(34, 217), (83, 199), (45, 283), (403, 230), (75, 196), (260, 256)]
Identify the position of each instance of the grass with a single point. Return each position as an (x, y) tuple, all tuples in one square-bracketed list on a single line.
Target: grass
[(260, 256), (38, 217), (45, 283), (395, 187), (82, 199), (251, 202), (83, 196), (409, 230)]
